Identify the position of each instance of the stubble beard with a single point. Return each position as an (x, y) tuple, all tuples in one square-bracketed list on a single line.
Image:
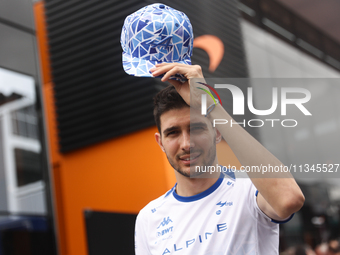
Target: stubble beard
[(193, 174)]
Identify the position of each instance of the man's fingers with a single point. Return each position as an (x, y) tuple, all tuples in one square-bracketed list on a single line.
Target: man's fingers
[(188, 71), (169, 70), (169, 64), (173, 71), (166, 66), (159, 70)]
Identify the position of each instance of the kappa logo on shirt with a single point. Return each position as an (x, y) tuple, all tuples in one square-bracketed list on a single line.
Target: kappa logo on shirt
[(165, 222)]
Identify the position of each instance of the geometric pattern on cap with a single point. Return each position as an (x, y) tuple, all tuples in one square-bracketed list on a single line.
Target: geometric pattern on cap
[(154, 34)]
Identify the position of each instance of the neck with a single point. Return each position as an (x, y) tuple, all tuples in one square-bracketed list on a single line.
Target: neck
[(187, 186)]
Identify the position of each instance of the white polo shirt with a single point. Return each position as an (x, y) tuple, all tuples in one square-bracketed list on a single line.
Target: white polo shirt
[(224, 219)]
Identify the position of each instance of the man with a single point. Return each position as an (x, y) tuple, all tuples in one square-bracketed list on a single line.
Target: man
[(211, 215)]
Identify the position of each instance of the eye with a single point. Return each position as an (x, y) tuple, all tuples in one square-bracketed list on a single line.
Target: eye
[(196, 129), (172, 132)]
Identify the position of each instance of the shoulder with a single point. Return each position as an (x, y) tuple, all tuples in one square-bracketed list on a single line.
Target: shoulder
[(239, 181), (155, 204), (146, 222), (243, 180)]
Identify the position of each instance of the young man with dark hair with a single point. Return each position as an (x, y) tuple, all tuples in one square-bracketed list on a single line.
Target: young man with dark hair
[(211, 213)]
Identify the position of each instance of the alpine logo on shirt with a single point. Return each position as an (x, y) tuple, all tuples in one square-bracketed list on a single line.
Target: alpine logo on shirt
[(204, 237), (221, 204)]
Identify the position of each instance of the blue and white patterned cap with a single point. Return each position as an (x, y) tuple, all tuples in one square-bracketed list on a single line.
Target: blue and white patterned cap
[(155, 34)]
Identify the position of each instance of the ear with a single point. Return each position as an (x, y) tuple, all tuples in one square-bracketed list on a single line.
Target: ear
[(218, 136), (159, 141)]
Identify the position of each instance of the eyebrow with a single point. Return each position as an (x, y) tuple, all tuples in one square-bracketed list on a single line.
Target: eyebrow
[(198, 124), (168, 130)]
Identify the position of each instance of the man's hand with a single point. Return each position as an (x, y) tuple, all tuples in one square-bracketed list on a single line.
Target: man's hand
[(184, 89)]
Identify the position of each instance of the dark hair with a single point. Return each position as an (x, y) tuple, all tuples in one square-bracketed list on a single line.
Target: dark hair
[(167, 99)]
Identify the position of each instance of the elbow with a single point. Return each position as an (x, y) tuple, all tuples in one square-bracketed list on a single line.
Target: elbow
[(296, 203), (292, 204)]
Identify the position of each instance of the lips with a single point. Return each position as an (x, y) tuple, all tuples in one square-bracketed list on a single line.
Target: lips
[(189, 159)]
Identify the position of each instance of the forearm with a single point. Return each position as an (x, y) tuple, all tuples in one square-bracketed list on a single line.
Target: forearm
[(247, 149), (279, 189)]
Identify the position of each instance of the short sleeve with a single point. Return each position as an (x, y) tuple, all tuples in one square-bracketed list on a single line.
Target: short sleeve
[(257, 212)]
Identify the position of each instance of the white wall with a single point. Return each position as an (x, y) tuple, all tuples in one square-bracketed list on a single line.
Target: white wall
[(29, 198)]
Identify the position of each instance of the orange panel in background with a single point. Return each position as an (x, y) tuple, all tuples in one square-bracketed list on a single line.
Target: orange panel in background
[(39, 15), (120, 175), (212, 45)]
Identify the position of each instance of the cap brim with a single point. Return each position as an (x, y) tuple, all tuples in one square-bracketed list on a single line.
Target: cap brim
[(141, 68)]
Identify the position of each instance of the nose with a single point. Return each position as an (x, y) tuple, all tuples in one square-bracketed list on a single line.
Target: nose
[(186, 144)]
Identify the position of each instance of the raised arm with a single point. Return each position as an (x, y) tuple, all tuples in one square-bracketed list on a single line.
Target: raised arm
[(279, 195)]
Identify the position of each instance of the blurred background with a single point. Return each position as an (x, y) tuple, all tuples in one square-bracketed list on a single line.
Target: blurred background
[(77, 155)]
